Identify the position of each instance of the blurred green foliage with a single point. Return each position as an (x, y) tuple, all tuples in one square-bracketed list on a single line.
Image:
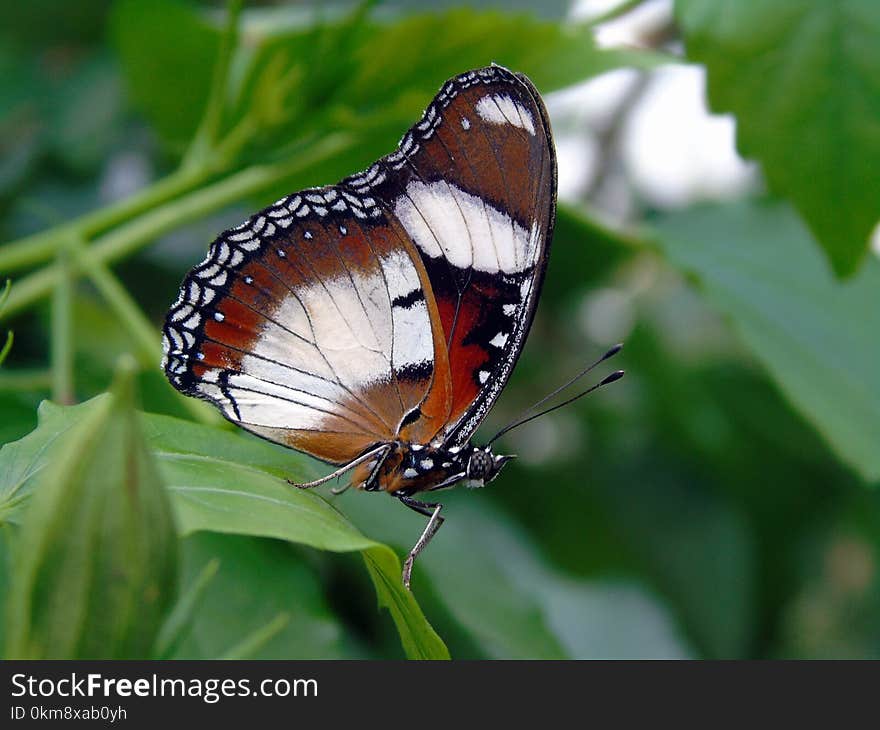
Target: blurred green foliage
[(818, 337), (717, 502), (803, 78)]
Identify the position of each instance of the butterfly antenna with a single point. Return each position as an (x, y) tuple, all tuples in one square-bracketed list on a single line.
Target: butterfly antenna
[(616, 375), (525, 418)]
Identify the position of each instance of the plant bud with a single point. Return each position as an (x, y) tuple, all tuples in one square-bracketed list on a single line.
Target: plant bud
[(96, 567)]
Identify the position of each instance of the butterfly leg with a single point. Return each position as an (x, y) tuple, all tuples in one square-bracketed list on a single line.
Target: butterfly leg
[(430, 510), (381, 450), (372, 483)]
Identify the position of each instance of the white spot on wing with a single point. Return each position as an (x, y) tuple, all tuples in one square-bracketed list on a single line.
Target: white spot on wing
[(499, 340), (444, 220), (413, 342), (401, 275), (501, 109)]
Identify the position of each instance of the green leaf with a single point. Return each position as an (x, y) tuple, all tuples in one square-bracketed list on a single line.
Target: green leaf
[(296, 75), (179, 620), (384, 568), (611, 620), (468, 570), (492, 580), (583, 252), (95, 569), (213, 493), (257, 581), (22, 461), (253, 643), (7, 539), (816, 336), (223, 482), (167, 51), (698, 550), (419, 52), (86, 114), (803, 78)]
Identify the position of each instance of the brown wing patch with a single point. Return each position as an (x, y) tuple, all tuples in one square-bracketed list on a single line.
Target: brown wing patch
[(293, 326)]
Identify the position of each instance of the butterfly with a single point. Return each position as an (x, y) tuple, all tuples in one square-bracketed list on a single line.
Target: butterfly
[(373, 323)]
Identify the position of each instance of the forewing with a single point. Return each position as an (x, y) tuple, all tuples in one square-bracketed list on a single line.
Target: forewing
[(309, 325)]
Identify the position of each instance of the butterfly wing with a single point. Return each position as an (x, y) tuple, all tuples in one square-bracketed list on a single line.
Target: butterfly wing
[(309, 325), (474, 185), (393, 305)]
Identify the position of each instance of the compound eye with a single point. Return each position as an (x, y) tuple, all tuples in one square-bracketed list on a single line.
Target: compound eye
[(479, 465)]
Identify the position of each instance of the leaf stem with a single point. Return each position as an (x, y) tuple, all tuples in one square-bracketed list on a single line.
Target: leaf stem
[(256, 640), (26, 380), (7, 346), (41, 247), (136, 323), (197, 167), (123, 306), (204, 143), (614, 12), (61, 331), (143, 230), (179, 621)]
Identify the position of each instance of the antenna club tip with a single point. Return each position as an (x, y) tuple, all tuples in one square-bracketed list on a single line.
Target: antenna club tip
[(613, 351), (616, 375)]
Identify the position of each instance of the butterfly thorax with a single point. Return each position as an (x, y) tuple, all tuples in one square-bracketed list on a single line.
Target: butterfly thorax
[(408, 468)]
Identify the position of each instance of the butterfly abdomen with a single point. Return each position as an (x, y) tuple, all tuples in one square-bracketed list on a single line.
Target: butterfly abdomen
[(410, 468)]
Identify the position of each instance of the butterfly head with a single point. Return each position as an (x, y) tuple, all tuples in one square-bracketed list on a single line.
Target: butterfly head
[(483, 466)]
